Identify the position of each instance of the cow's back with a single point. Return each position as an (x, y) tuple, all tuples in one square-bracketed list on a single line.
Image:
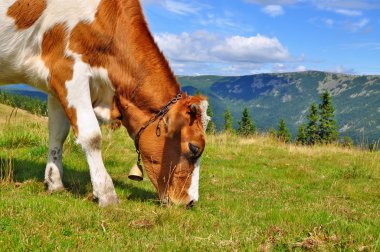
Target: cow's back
[(23, 25)]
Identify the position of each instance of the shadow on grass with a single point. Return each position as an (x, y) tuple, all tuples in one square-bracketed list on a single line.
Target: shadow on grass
[(76, 182)]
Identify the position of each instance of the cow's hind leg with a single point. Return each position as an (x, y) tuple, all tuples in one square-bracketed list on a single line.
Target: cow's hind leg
[(59, 127)]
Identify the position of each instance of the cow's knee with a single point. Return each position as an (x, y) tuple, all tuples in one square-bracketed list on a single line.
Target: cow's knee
[(90, 141)]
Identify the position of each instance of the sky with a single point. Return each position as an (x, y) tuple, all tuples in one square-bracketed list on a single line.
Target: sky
[(242, 37)]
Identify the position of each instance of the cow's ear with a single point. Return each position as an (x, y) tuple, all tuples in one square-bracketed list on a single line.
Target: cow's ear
[(194, 108)]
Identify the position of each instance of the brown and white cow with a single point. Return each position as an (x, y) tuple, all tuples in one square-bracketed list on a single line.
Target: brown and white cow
[(97, 60)]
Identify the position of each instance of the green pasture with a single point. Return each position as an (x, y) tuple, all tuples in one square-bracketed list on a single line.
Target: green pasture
[(256, 194)]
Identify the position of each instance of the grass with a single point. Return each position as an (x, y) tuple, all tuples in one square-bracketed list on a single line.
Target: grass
[(256, 194)]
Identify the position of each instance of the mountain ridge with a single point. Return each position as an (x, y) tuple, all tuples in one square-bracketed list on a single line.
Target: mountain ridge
[(270, 96)]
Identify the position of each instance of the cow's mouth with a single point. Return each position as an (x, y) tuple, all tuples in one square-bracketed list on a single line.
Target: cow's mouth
[(165, 201)]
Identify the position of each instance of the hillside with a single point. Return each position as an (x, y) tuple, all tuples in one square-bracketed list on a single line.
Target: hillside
[(288, 95), (256, 194), (272, 96)]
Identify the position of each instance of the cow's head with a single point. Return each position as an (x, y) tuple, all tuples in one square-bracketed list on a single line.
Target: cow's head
[(172, 158)]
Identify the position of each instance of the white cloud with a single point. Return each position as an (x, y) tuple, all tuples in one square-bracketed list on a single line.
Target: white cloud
[(343, 70), (203, 46), (329, 22), (349, 8), (356, 26), (180, 8), (272, 2), (350, 25), (346, 4), (350, 13), (177, 7), (203, 52), (362, 23), (286, 68), (187, 47), (360, 46), (219, 21), (279, 68), (257, 49), (273, 10), (344, 7), (301, 69)]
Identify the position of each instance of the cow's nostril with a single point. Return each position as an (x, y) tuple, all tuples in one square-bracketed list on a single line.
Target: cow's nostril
[(194, 149), (190, 204)]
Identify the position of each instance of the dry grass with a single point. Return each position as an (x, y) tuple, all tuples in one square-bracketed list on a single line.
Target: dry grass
[(6, 169), (14, 115)]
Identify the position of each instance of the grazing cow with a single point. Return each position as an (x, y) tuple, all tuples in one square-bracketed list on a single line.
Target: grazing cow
[(97, 60)]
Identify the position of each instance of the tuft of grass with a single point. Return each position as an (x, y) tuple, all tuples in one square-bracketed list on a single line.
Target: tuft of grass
[(6, 169), (256, 194)]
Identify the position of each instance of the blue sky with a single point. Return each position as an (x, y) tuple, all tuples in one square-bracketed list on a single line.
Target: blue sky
[(237, 37)]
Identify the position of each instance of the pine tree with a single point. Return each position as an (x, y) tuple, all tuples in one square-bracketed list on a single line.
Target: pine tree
[(312, 129), (328, 132), (228, 121), (246, 124), (211, 127), (301, 135), (283, 132), (272, 132)]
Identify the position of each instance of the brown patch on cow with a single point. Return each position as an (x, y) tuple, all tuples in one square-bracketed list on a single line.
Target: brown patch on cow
[(50, 174), (61, 67), (26, 12), (96, 142)]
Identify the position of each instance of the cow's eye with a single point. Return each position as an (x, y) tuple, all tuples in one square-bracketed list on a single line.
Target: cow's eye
[(194, 149)]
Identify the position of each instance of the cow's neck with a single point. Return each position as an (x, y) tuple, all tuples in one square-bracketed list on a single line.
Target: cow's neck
[(145, 78)]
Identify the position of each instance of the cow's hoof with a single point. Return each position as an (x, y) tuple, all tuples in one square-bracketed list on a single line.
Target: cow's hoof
[(51, 188), (108, 200)]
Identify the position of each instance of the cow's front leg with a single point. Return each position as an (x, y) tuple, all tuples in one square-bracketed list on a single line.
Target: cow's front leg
[(76, 99), (59, 127), (91, 139)]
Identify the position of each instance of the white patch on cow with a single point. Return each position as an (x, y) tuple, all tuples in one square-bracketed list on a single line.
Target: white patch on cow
[(194, 186), (78, 97), (69, 12), (20, 50), (38, 73), (204, 117)]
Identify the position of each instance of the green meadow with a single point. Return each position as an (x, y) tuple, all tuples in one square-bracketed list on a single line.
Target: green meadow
[(256, 194)]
